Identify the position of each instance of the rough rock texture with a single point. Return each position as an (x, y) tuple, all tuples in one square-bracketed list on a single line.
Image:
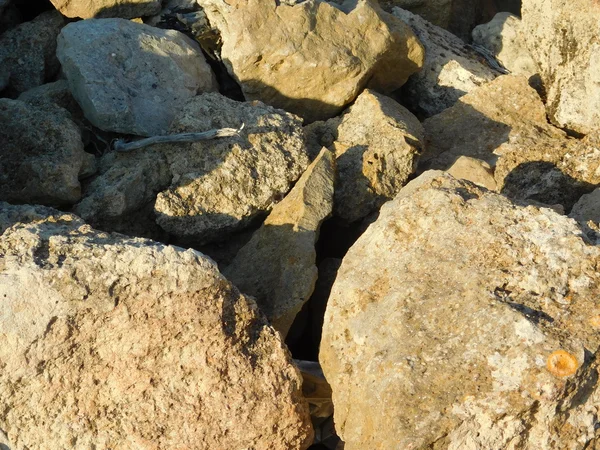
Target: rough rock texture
[(503, 37), (473, 170), (57, 93), (4, 444), (489, 120), (313, 59), (41, 155), (377, 144), (278, 265), (207, 189), (562, 38), (129, 77), (587, 207), (87, 9), (462, 321), (28, 53), (114, 342), (450, 69)]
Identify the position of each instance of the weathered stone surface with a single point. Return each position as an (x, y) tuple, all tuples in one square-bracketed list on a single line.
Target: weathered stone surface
[(377, 144), (462, 321), (489, 120), (57, 93), (278, 265), (450, 70), (4, 444), (28, 53), (115, 342), (503, 37), (87, 9), (473, 170), (587, 207), (41, 155), (129, 77), (313, 58), (562, 38), (206, 190)]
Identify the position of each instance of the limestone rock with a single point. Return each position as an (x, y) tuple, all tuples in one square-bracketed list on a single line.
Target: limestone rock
[(41, 155), (209, 189), (115, 342), (145, 73), (313, 58), (278, 265), (450, 70), (562, 38), (503, 37), (587, 207), (486, 122), (28, 53), (87, 9), (377, 144), (56, 93), (462, 321), (473, 170)]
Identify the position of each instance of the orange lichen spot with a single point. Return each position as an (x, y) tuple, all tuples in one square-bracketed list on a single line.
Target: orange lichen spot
[(595, 321), (562, 364)]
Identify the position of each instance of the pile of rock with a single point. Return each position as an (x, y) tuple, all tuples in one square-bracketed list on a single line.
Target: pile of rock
[(395, 244)]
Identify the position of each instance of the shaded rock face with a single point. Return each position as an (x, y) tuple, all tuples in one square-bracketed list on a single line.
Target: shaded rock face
[(562, 38), (313, 58), (41, 155), (114, 342), (450, 70), (206, 190), (28, 53), (587, 207), (87, 9), (278, 265), (462, 321), (146, 73)]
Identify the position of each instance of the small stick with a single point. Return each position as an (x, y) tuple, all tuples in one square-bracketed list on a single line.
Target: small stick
[(120, 145)]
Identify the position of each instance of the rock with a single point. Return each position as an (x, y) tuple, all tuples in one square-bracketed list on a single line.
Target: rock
[(4, 444), (10, 17), (587, 207), (27, 53), (473, 170), (451, 69), (462, 321), (41, 155), (56, 93), (503, 37), (377, 143), (562, 40), (278, 265), (87, 9), (147, 73), (209, 189), (489, 120), (313, 58), (115, 342)]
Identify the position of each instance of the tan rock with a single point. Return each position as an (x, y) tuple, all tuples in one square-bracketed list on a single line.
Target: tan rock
[(87, 9), (473, 170), (278, 265), (313, 58), (114, 342), (461, 321)]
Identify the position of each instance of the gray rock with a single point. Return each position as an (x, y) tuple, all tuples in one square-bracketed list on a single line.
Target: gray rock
[(115, 342), (462, 321), (129, 77), (28, 53), (4, 444), (587, 207), (41, 155), (450, 70), (56, 93), (278, 265), (87, 9)]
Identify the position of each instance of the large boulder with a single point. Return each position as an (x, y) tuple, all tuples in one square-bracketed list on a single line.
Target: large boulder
[(87, 9), (130, 77), (41, 155), (313, 58), (562, 37), (112, 342), (460, 320)]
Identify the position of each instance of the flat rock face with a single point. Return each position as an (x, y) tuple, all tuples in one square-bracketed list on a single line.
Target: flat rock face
[(278, 265), (87, 9), (207, 189), (562, 38), (450, 70), (473, 170), (312, 58), (129, 77), (28, 53), (587, 207), (41, 155), (114, 342), (460, 320)]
